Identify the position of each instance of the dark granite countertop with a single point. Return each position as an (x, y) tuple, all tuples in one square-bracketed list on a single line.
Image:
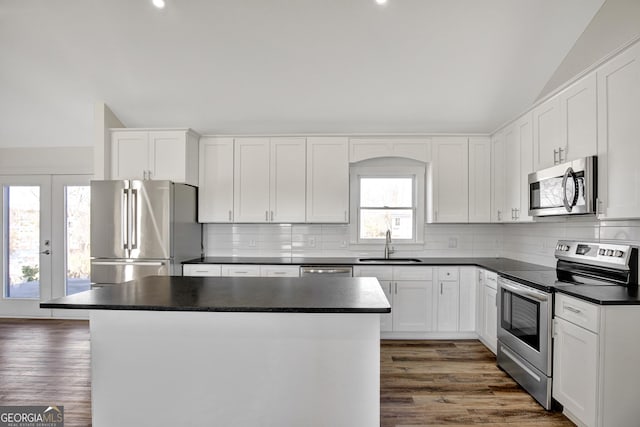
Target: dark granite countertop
[(534, 275), (602, 295), (227, 294)]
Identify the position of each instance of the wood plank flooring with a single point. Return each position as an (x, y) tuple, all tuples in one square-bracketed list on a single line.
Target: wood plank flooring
[(453, 383), (423, 383)]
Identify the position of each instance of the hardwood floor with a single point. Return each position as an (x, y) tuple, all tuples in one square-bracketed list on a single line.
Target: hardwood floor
[(423, 383), (453, 383), (46, 362)]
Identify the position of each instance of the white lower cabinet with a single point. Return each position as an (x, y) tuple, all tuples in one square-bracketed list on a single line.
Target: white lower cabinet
[(487, 326), (240, 270), (595, 375)]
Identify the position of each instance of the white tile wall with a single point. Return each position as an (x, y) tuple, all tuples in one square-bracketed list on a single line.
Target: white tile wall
[(531, 242)]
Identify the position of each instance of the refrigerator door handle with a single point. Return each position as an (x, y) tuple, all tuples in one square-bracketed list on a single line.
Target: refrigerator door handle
[(134, 219), (144, 263), (125, 219)]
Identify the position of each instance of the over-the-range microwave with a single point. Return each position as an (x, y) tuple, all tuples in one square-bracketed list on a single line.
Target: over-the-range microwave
[(566, 189)]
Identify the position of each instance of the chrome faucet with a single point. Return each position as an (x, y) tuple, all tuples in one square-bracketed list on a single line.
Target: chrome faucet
[(388, 250)]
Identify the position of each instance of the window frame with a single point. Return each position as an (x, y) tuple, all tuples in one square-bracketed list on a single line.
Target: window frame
[(388, 168)]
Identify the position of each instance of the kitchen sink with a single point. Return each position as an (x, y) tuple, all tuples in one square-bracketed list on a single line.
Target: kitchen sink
[(390, 260)]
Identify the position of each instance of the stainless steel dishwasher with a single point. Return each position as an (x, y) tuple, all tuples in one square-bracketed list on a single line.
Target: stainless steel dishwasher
[(326, 270)]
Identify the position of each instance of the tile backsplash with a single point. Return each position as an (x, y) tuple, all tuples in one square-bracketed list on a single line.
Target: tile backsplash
[(530, 242)]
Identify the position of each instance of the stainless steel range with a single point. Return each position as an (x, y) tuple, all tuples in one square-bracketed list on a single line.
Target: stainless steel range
[(525, 307)]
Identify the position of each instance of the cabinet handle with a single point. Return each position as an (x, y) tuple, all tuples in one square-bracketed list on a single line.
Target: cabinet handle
[(230, 216), (435, 216), (555, 155), (512, 215), (517, 213), (441, 288), (345, 216), (266, 216), (396, 288), (389, 288), (149, 174), (271, 216), (560, 159), (499, 215), (573, 310)]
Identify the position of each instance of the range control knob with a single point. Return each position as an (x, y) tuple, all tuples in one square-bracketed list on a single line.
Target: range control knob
[(609, 252), (601, 252), (618, 254), (565, 248)]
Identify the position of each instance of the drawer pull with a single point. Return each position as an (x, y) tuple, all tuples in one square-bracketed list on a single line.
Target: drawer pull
[(573, 310)]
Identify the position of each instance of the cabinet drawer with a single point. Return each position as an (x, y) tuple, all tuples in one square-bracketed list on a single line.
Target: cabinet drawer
[(448, 273), (578, 312), (380, 273), (280, 270), (412, 273), (491, 280), (241, 270), (210, 270)]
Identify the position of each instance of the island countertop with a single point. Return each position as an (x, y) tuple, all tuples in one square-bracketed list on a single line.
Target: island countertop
[(227, 294)]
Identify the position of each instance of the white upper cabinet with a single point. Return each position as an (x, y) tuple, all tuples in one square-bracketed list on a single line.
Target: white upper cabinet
[(498, 187), (547, 134), (479, 179), (578, 122), (288, 180), (618, 131), (161, 155), (370, 148), (450, 180), (269, 180), (215, 193), (518, 165), (327, 180), (565, 125)]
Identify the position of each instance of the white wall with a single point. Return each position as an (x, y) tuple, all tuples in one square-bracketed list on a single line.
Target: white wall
[(616, 23), (46, 160), (103, 119)]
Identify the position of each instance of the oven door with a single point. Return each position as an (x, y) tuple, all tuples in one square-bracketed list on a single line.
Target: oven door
[(566, 189), (524, 322)]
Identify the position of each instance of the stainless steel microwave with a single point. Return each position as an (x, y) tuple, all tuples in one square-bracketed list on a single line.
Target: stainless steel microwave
[(566, 189)]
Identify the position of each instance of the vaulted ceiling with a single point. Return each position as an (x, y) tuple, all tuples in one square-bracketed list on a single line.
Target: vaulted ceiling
[(277, 66)]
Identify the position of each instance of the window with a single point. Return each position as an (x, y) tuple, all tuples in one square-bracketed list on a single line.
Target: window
[(386, 204), (387, 195)]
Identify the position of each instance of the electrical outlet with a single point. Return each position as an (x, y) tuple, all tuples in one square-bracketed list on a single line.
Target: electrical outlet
[(252, 243), (343, 244), (312, 242), (453, 242)]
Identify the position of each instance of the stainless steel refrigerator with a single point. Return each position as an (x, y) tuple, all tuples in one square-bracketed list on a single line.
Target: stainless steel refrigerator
[(142, 228)]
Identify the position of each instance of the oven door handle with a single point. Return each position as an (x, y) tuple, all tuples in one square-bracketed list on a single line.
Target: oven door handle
[(530, 293)]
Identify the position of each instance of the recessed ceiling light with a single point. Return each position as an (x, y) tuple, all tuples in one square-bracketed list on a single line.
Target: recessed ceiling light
[(381, 2), (158, 3)]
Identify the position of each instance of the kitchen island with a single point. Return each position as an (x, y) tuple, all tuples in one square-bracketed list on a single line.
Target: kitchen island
[(193, 351)]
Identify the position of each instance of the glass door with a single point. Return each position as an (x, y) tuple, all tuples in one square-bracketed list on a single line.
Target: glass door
[(25, 269), (71, 203)]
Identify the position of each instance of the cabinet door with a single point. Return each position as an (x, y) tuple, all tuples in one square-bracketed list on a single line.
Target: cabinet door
[(448, 300), (618, 130), (412, 305), (524, 131), (467, 306), (251, 180), (479, 180), (240, 270), (512, 172), (167, 155), (288, 180), (202, 270), (491, 318), (384, 275), (279, 271), (547, 137), (215, 192), (327, 180), (498, 178), (575, 370), (129, 154), (450, 191), (579, 119)]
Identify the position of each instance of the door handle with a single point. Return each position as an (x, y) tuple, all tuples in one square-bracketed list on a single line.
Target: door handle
[(569, 206), (46, 252), (134, 219)]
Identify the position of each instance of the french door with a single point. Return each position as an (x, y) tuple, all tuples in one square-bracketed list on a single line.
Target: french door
[(45, 241)]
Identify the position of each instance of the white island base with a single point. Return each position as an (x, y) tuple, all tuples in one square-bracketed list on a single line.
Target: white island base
[(175, 368)]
